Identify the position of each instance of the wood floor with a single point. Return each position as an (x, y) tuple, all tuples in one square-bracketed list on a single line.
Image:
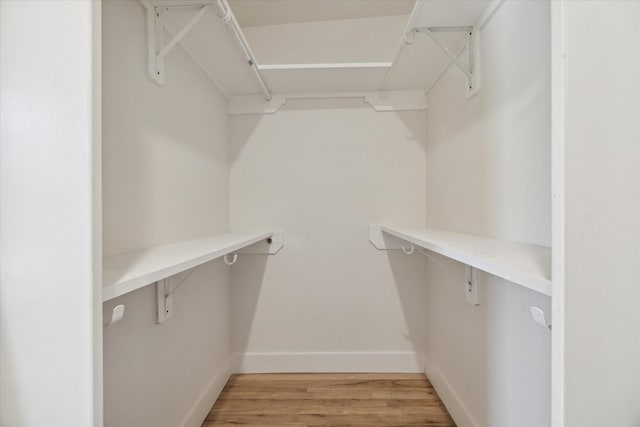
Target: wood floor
[(299, 400)]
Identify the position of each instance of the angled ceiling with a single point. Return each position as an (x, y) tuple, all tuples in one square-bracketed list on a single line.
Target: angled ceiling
[(253, 13)]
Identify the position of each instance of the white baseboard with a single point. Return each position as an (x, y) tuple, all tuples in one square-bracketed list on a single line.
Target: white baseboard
[(200, 410), (328, 362), (448, 395)]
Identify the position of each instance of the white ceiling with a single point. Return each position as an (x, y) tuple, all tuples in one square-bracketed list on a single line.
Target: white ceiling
[(253, 13)]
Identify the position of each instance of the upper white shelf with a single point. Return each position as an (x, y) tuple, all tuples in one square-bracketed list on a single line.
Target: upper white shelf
[(521, 263), (127, 272), (327, 57)]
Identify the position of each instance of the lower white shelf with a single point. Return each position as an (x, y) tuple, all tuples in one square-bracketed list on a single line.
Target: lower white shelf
[(127, 272), (524, 264)]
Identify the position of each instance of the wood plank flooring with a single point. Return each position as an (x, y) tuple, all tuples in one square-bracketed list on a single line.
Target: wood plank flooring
[(323, 400)]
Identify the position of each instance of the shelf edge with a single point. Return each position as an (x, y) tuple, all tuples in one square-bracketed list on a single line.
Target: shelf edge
[(120, 288), (530, 281)]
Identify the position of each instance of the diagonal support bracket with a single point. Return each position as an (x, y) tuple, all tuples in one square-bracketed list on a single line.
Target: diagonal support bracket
[(156, 48), (164, 294), (383, 241), (470, 70)]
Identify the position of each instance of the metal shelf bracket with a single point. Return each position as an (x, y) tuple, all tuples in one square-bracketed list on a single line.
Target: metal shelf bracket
[(164, 300), (165, 288), (383, 241), (156, 48), (164, 294), (472, 283), (471, 69)]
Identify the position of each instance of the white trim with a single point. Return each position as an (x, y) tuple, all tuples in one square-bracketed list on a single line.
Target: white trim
[(558, 94), (329, 362), (201, 408), (96, 206), (448, 395)]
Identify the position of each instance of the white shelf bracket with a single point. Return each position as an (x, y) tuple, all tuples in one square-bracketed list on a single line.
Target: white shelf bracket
[(164, 294), (539, 318), (164, 300), (156, 48), (470, 70), (116, 315), (385, 242), (270, 246), (472, 283)]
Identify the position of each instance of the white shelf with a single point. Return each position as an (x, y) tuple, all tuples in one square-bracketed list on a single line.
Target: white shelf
[(521, 263), (414, 67), (127, 272)]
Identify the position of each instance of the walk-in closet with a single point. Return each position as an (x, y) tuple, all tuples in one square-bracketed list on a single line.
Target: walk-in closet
[(383, 212)]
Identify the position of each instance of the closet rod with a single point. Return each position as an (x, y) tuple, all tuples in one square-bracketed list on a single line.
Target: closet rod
[(227, 16)]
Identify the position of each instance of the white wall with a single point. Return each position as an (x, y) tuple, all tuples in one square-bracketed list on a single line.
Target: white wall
[(165, 148), (488, 173), (602, 184), (165, 180), (50, 355), (329, 301)]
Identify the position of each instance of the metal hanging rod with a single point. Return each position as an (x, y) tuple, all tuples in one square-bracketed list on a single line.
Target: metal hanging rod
[(227, 16)]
